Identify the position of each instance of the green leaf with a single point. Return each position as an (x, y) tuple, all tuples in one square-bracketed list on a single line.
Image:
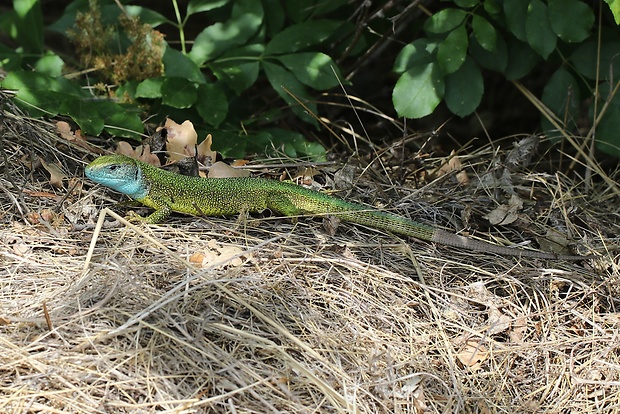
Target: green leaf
[(299, 10), (146, 16), (245, 21), (178, 92), (126, 92), (521, 59), (323, 7), (238, 68), (67, 20), (584, 59), (274, 17), (453, 50), (314, 69), (445, 20), (50, 64), (150, 88), (561, 95), (571, 20), (21, 80), (199, 6), (614, 6), (39, 103), (492, 7), (282, 81), (238, 77), (231, 144), (485, 33), (516, 12), (10, 60), (294, 144), (497, 60), (607, 137), (29, 25), (418, 91), (124, 123), (302, 35), (177, 64), (212, 104), (538, 29), (89, 115), (94, 115), (464, 89), (418, 52), (466, 4)]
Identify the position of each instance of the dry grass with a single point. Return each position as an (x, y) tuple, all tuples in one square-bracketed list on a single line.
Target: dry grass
[(359, 322)]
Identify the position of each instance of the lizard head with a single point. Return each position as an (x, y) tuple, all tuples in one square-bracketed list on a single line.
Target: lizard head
[(120, 173)]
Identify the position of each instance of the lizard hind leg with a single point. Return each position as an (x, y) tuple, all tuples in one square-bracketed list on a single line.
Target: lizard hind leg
[(282, 204)]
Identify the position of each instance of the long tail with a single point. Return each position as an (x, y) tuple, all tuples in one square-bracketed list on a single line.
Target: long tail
[(357, 213)]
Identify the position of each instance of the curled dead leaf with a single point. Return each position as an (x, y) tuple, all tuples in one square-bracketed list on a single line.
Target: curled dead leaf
[(206, 155), (56, 173), (498, 322), (506, 213), (140, 153), (472, 354), (453, 163), (222, 170), (182, 139)]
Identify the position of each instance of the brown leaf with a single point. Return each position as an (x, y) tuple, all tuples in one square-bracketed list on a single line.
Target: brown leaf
[(472, 354), (505, 213), (519, 327), (306, 176), (453, 163), (554, 241), (498, 322), (56, 173), (139, 153), (222, 170), (206, 155), (64, 130), (182, 139)]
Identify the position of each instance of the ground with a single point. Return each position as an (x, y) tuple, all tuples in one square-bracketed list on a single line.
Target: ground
[(260, 314)]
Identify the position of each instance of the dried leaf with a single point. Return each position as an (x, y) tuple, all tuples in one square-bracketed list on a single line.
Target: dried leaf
[(222, 170), (498, 322), (197, 259), (505, 213), (56, 173), (140, 153), (206, 156), (519, 327), (472, 354), (415, 387), (306, 176), (124, 148), (217, 255), (453, 163), (240, 163), (20, 249), (522, 152), (330, 224), (227, 253), (64, 130), (554, 241), (182, 139)]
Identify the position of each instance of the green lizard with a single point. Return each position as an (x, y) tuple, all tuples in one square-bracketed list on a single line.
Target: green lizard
[(166, 192)]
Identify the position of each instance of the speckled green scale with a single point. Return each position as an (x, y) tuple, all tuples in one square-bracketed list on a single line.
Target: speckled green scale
[(166, 192)]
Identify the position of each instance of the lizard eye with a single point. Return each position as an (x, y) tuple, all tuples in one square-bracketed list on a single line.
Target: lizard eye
[(112, 167)]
